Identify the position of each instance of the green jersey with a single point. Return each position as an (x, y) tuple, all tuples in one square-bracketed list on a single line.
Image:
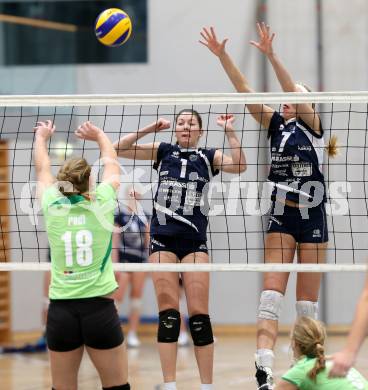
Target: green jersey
[(298, 376), (80, 236)]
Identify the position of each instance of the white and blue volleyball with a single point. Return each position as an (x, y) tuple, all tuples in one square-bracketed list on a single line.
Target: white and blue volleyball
[(113, 27)]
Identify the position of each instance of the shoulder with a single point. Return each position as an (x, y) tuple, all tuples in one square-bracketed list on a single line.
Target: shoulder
[(209, 156), (306, 128), (163, 150), (165, 147), (50, 195), (276, 121), (299, 372), (105, 191)]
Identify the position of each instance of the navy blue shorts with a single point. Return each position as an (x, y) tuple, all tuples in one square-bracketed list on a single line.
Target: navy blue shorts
[(306, 225), (180, 247), (72, 323)]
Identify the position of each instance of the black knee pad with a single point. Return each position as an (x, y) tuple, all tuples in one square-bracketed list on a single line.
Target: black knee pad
[(168, 326), (201, 329), (121, 387)]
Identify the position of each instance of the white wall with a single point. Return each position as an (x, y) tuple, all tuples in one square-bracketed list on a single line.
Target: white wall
[(178, 63)]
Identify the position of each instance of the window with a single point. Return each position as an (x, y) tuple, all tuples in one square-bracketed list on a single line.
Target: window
[(33, 44)]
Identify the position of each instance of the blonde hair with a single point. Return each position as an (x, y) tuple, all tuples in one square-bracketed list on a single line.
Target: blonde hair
[(75, 171), (309, 338), (333, 148)]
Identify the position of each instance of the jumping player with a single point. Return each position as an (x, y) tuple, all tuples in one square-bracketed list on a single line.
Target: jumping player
[(178, 229), (79, 226), (298, 216)]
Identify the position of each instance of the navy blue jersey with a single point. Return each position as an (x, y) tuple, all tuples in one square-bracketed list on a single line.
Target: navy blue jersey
[(296, 160), (181, 204), (133, 234)]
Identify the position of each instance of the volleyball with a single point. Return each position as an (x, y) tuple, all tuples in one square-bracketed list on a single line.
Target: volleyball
[(113, 27)]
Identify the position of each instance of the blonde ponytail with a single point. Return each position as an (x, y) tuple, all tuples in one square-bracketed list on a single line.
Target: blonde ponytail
[(320, 362), (333, 147), (309, 338)]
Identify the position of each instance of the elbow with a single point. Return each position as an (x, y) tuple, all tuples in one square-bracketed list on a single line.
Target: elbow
[(115, 184), (242, 168)]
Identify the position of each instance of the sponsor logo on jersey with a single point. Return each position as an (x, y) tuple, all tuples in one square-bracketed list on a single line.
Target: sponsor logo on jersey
[(280, 172), (193, 157), (305, 147), (284, 158), (175, 154), (302, 169), (164, 173)]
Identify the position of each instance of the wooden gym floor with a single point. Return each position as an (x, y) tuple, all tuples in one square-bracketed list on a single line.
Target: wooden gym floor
[(234, 365)]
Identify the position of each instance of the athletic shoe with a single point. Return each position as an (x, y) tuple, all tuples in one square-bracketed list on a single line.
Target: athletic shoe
[(183, 340), (132, 340), (264, 378)]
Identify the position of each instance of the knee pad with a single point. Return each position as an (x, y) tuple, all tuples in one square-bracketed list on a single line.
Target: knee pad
[(168, 326), (307, 309), (121, 387), (270, 305), (135, 304), (201, 330)]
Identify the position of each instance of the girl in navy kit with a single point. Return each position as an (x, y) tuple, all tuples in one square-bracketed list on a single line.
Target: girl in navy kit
[(298, 217), (178, 229)]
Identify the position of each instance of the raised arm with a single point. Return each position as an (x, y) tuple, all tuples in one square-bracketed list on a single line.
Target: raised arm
[(345, 359), (44, 131), (304, 111), (261, 113), (127, 146), (111, 173), (236, 162)]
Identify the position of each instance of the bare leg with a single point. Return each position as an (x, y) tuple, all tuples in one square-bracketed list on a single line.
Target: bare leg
[(45, 305), (123, 281), (196, 285), (111, 364), (308, 283), (137, 284), (167, 293), (64, 368)]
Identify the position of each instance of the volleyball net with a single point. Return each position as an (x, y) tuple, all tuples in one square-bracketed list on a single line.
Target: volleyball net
[(239, 204)]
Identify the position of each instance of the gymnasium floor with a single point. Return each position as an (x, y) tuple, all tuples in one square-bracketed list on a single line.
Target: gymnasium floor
[(233, 366)]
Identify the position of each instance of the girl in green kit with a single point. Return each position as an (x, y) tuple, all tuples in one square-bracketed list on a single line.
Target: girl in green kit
[(81, 315), (311, 370)]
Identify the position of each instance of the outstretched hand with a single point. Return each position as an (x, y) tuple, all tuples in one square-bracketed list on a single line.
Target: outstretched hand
[(44, 129), (211, 42), (342, 362), (226, 121), (265, 39), (88, 131)]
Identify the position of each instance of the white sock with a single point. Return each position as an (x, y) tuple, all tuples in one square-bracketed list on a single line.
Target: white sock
[(206, 387), (265, 358), (170, 386)]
